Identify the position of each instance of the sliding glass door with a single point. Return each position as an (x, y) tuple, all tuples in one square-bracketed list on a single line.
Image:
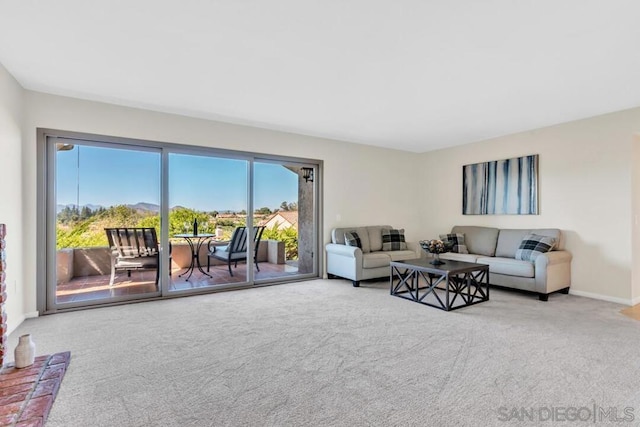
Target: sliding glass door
[(207, 221), (284, 208), (103, 198), (126, 220)]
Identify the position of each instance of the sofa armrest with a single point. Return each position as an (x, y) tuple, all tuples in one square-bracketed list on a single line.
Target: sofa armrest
[(553, 271), (344, 261), (343, 250), (554, 257)]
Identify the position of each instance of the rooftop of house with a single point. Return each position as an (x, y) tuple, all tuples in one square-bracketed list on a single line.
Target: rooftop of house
[(286, 218)]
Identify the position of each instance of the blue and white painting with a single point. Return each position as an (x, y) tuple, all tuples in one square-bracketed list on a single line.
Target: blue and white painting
[(507, 186)]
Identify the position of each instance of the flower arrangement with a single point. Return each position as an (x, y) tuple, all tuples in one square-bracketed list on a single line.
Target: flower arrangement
[(435, 246)]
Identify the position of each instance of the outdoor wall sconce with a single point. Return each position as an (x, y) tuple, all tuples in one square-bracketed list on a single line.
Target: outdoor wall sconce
[(307, 174), (64, 147)]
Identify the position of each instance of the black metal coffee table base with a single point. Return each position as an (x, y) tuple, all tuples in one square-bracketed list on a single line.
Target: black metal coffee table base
[(449, 286)]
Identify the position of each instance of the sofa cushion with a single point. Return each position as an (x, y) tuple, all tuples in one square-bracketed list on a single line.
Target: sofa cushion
[(401, 255), (509, 240), (456, 241), (352, 239), (459, 257), (479, 240), (375, 236), (393, 240), (533, 245), (375, 259), (508, 266)]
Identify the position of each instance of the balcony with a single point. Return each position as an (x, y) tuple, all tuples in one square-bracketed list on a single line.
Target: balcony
[(83, 273)]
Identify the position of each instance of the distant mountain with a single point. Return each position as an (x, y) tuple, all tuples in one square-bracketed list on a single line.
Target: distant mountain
[(142, 206)]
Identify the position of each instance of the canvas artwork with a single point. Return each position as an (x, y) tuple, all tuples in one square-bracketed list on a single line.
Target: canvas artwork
[(508, 186)]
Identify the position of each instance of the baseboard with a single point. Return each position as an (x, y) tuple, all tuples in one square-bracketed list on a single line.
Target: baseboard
[(616, 300), (21, 319), (635, 301)]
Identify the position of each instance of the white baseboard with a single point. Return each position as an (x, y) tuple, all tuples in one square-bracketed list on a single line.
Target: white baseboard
[(635, 301), (21, 319), (622, 301)]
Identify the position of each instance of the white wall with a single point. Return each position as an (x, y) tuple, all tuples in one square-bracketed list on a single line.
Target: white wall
[(11, 111), (585, 178), (363, 185), (635, 289)]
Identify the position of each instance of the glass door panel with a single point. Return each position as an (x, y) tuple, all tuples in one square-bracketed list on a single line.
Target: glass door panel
[(207, 221), (284, 205), (107, 223)]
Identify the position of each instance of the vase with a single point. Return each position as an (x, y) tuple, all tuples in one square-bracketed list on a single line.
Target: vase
[(436, 259), (25, 352)]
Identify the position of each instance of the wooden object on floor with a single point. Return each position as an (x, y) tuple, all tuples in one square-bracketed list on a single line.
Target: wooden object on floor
[(633, 312)]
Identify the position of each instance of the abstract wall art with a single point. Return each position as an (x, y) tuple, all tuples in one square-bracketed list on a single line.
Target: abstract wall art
[(508, 186)]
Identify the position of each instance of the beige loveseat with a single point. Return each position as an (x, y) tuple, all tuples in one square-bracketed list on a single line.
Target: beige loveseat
[(550, 272), (368, 262)]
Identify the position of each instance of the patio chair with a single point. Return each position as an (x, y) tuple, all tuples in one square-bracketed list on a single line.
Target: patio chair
[(236, 250), (133, 249)]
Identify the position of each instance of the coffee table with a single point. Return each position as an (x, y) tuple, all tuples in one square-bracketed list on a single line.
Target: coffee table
[(448, 286)]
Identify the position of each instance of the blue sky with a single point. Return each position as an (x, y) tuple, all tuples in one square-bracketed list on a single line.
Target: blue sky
[(109, 176)]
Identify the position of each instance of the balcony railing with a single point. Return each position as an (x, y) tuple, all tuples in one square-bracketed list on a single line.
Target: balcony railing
[(96, 261)]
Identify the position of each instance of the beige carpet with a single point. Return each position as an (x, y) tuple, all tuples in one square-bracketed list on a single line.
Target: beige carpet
[(323, 353)]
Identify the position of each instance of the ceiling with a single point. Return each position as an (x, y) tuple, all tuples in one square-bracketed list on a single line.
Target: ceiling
[(413, 75)]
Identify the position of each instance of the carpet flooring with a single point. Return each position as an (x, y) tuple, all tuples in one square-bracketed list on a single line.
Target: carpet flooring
[(322, 353)]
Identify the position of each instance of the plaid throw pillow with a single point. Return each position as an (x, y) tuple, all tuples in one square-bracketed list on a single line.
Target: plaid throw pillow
[(533, 245), (393, 240), (455, 242), (352, 239)]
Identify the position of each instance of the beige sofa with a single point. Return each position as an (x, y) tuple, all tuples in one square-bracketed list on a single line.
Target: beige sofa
[(497, 248), (371, 261)]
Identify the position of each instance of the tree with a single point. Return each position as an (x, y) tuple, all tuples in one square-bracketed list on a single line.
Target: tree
[(263, 211), (287, 235), (85, 212), (181, 221), (286, 206)]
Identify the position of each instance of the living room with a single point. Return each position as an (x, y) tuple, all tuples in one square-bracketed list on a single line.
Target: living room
[(589, 185)]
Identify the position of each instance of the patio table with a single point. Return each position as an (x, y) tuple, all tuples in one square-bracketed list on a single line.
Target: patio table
[(195, 242)]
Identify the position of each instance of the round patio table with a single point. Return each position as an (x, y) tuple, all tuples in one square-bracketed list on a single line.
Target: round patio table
[(195, 242)]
